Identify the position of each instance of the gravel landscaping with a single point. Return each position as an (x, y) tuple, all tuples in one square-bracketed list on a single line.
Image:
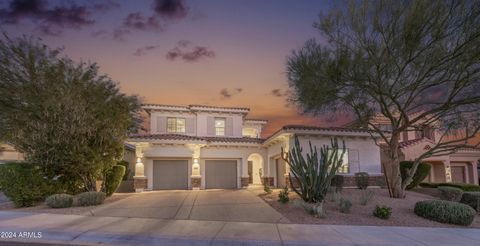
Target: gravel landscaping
[(43, 208), (402, 210)]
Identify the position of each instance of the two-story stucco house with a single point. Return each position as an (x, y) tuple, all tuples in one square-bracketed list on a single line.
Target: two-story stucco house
[(460, 166), (206, 147)]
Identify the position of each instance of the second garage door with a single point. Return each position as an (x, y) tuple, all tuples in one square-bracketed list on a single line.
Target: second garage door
[(220, 174), (170, 175)]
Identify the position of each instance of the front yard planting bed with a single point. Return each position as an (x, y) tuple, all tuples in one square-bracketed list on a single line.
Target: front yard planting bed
[(402, 210), (43, 208)]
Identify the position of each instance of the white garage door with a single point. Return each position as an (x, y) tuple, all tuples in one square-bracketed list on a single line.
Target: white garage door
[(170, 175), (220, 174)]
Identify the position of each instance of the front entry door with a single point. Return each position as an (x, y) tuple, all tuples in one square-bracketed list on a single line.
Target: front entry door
[(250, 172)]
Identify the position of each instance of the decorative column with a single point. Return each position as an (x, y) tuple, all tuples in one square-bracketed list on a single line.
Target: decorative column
[(139, 180), (448, 171), (244, 177), (475, 172), (196, 176)]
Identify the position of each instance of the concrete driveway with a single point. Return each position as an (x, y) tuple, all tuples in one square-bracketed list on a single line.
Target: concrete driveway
[(210, 205)]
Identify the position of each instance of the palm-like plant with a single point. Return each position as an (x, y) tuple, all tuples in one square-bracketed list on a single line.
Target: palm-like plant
[(315, 173)]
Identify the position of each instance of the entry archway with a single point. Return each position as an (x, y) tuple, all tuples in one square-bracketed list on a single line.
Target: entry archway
[(255, 169)]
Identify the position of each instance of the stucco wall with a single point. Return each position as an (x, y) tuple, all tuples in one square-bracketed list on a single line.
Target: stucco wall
[(166, 152), (8, 153), (368, 151)]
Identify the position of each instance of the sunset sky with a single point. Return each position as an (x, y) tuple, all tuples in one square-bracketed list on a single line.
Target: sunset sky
[(214, 52)]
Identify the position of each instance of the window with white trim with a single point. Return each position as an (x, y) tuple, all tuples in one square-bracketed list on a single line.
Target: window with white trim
[(175, 125), (219, 126)]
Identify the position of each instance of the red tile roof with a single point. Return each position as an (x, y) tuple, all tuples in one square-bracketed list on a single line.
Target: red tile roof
[(195, 106), (410, 142), (165, 137), (319, 128), (242, 139), (234, 140), (194, 138), (217, 107)]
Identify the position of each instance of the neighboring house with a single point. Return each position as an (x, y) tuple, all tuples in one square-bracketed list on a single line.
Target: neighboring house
[(460, 166), (9, 154), (206, 147)]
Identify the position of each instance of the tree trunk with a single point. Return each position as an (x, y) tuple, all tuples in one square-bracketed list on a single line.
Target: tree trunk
[(392, 158)]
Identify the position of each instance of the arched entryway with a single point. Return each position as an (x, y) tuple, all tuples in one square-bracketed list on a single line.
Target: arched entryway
[(255, 169)]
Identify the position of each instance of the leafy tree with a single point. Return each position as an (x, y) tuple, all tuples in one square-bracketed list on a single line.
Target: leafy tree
[(63, 115), (416, 63)]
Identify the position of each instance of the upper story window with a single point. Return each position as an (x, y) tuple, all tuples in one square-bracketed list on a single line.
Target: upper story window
[(428, 132), (219, 126), (385, 127), (176, 125)]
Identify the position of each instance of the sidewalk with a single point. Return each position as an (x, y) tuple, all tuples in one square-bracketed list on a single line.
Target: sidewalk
[(87, 230)]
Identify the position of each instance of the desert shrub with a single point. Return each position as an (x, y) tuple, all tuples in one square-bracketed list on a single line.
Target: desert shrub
[(91, 198), (127, 168), (334, 195), (267, 188), (283, 195), (365, 196), (25, 184), (345, 205), (314, 171), (382, 212), (59, 201), (337, 182), (422, 172), (450, 193), (472, 199), (315, 209), (362, 180), (114, 178), (445, 212)]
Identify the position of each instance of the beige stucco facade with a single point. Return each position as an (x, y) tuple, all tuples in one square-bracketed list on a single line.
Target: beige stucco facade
[(253, 160)]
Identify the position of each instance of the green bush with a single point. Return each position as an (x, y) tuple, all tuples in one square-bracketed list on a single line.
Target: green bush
[(114, 178), (422, 172), (428, 185), (445, 212), (362, 180), (472, 199), (24, 183), (59, 201), (450, 193), (283, 195), (127, 168), (91, 198), (382, 212), (345, 205), (337, 182), (463, 186)]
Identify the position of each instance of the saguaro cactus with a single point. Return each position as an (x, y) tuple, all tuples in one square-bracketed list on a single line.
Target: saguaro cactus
[(315, 173)]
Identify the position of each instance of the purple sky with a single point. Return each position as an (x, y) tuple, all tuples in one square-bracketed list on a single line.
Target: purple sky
[(215, 52)]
